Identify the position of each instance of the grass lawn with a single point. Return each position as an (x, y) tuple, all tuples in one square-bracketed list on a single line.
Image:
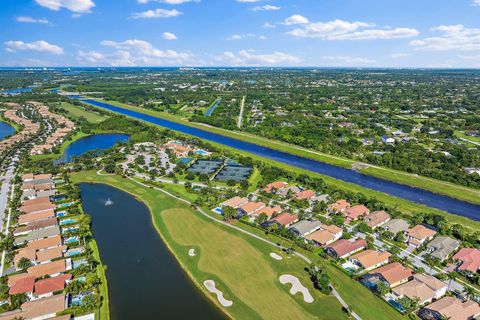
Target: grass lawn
[(240, 265), (461, 134), (437, 186), (103, 313), (77, 112)]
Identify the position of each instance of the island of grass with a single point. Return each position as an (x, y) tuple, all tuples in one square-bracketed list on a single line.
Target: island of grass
[(430, 184), (223, 254)]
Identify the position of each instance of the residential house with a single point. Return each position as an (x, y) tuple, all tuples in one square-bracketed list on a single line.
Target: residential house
[(46, 287), (425, 288), (326, 235), (469, 259), (36, 216), (269, 211), (370, 259), (305, 195), (356, 212), (450, 308), (343, 248), (285, 219), (275, 186), (40, 309), (250, 208), (388, 140), (394, 274), (441, 247), (396, 225), (305, 227), (339, 206), (284, 192), (417, 235), (376, 219), (234, 202)]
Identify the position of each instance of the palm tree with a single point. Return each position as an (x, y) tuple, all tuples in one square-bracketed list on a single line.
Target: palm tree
[(470, 291), (451, 276)]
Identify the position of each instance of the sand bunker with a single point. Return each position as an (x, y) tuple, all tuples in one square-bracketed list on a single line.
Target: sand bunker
[(296, 287), (275, 256), (210, 285), (192, 253)]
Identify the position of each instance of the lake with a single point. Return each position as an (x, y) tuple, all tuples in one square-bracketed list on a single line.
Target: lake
[(144, 279), (6, 130), (100, 141), (455, 206), (16, 91)]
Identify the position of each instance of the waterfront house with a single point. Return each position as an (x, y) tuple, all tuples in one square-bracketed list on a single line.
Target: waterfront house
[(36, 216), (305, 195), (396, 225), (343, 248), (450, 308), (370, 259), (469, 259), (376, 219), (441, 247), (419, 234), (305, 227), (393, 274), (425, 288), (46, 287), (45, 308)]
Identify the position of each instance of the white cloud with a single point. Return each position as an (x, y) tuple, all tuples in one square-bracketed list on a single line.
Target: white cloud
[(167, 1), (344, 30), (269, 25), (453, 37), (250, 58), (169, 36), (157, 13), (79, 6), (31, 20), (399, 55), (245, 36), (248, 1), (90, 57), (40, 46), (476, 3), (141, 53), (296, 19), (267, 7), (348, 61)]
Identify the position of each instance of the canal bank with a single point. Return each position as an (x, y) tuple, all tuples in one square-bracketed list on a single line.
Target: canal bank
[(144, 278), (420, 196)]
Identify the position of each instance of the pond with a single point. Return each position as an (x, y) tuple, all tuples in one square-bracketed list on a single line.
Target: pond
[(144, 279), (6, 130), (99, 141)]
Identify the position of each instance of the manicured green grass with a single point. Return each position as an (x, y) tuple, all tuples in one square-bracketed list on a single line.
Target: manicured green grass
[(77, 112), (437, 186), (240, 265), (103, 313), (462, 134)]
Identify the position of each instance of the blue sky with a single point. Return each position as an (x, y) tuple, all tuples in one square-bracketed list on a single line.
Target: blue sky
[(350, 33)]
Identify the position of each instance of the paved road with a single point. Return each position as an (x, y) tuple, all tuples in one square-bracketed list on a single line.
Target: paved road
[(306, 259), (240, 116), (6, 183)]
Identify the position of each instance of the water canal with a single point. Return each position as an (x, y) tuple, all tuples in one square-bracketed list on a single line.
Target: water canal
[(455, 206), (144, 279), (100, 141)]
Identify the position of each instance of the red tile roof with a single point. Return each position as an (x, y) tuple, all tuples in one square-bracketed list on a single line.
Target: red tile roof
[(51, 284), (286, 219), (24, 285), (470, 258), (343, 247)]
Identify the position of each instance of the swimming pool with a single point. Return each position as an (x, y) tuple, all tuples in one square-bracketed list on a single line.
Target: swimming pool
[(63, 205), (75, 252), (67, 221), (69, 229), (218, 210), (78, 263), (185, 160), (71, 240), (61, 214), (201, 152), (77, 300), (396, 305)]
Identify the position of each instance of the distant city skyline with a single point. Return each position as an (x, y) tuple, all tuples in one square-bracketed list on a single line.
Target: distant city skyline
[(321, 33)]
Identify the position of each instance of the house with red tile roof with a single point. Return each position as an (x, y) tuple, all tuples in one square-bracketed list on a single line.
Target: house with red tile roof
[(285, 219), (274, 186), (450, 308), (234, 202), (251, 207), (269, 211), (343, 248), (356, 212), (393, 274), (305, 195), (339, 206), (425, 288), (46, 287), (39, 309), (370, 259), (417, 235), (469, 259), (376, 219)]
